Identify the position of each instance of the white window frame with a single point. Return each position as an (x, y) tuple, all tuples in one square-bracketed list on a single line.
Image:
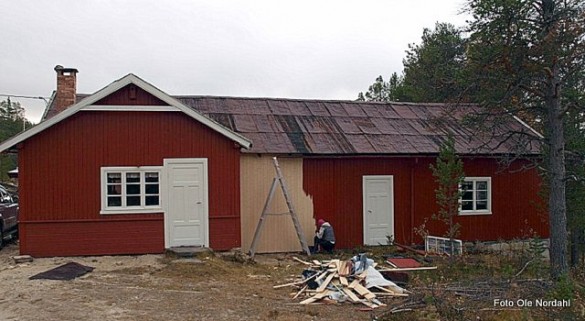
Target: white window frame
[(142, 209), (487, 211)]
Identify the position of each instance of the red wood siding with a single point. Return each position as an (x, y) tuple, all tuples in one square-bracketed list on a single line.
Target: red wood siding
[(516, 206), (60, 182), (86, 237), (131, 95), (336, 187)]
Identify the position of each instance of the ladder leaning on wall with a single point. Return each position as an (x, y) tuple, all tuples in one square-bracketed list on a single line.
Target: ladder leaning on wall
[(279, 180)]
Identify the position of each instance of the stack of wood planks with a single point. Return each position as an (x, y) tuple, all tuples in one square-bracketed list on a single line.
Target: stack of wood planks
[(336, 281)]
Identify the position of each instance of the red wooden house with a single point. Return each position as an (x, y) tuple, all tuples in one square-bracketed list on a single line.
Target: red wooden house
[(130, 170)]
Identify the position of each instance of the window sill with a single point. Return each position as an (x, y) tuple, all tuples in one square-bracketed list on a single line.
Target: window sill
[(475, 213), (158, 210)]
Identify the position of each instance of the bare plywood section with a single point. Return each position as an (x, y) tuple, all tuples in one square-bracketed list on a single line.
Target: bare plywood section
[(278, 233)]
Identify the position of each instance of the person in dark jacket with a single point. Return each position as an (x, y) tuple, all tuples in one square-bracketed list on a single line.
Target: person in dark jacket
[(325, 237)]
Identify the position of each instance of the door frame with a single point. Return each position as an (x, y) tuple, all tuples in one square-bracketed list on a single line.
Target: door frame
[(165, 187), (365, 178)]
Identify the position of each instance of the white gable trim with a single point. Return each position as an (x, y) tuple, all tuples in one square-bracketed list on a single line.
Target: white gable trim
[(539, 135), (128, 108), (112, 88)]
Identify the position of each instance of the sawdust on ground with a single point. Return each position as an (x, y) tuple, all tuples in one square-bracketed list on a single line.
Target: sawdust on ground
[(159, 287)]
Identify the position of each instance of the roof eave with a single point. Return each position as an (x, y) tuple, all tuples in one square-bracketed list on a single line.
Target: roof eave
[(434, 155)]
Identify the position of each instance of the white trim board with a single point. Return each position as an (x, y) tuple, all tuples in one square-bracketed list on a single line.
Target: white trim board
[(539, 135), (112, 88), (128, 108)]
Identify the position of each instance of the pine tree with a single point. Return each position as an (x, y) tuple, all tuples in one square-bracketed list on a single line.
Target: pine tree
[(449, 174)]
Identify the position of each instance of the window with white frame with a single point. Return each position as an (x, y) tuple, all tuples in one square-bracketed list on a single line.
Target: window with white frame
[(476, 196), (127, 190)]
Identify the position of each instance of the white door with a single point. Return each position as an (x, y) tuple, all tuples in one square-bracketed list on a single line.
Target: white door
[(378, 209), (186, 209)]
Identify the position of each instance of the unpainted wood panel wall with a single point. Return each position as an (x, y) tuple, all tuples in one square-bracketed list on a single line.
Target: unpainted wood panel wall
[(278, 233)]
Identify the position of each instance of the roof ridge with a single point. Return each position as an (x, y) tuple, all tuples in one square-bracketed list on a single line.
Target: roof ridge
[(405, 103), (322, 100)]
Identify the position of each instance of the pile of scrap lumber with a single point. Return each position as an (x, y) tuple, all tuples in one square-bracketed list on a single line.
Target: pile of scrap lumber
[(355, 280)]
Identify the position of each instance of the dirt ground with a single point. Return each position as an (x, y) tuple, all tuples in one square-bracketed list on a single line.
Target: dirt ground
[(230, 286), (158, 287)]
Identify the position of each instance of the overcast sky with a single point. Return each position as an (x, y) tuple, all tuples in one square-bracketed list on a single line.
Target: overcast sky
[(288, 49)]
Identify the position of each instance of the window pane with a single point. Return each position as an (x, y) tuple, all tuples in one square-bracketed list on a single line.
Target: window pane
[(114, 201), (114, 178), (467, 206), (133, 201), (132, 189), (152, 200), (132, 177), (467, 196), (481, 185), (114, 189), (482, 196), (151, 177), (481, 205), (466, 186), (152, 189)]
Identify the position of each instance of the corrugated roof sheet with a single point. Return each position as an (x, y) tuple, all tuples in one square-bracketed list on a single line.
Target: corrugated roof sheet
[(295, 126)]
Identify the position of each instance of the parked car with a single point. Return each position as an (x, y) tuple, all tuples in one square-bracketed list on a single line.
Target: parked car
[(8, 216)]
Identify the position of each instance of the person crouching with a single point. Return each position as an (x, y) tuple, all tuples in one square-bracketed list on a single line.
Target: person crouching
[(325, 237)]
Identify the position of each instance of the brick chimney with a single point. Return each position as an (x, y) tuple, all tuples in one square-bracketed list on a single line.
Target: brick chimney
[(66, 88)]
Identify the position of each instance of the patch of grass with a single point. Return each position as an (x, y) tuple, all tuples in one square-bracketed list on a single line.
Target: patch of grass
[(564, 289), (463, 288)]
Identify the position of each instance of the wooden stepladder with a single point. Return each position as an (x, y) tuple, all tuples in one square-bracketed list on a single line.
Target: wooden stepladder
[(279, 180)]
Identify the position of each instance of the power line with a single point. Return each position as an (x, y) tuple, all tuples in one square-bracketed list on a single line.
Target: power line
[(31, 97)]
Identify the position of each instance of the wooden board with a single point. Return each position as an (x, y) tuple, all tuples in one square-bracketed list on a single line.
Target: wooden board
[(388, 291), (351, 295), (422, 268), (410, 249), (361, 290), (325, 283), (301, 261), (353, 284), (316, 297), (299, 292)]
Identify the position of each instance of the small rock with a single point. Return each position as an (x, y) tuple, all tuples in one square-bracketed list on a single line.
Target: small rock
[(22, 259)]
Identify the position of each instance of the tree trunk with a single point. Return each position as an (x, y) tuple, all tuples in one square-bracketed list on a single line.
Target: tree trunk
[(556, 159), (577, 243)]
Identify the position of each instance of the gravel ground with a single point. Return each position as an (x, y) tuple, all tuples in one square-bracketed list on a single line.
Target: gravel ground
[(159, 287)]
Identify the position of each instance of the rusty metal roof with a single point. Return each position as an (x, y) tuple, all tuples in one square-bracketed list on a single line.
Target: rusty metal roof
[(297, 126), (335, 127)]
